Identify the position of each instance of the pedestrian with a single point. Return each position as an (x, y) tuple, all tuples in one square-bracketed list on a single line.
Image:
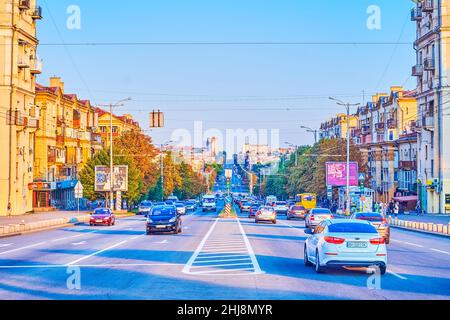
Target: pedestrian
[(391, 207), (418, 208), (396, 208)]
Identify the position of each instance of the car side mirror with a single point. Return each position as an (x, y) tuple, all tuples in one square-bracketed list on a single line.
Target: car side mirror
[(308, 231)]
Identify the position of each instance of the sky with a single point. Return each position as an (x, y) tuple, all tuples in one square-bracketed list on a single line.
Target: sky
[(272, 86)]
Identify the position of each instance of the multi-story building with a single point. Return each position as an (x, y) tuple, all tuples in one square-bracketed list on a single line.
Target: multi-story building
[(120, 125), (18, 114), (336, 127), (433, 96), (382, 123), (64, 142)]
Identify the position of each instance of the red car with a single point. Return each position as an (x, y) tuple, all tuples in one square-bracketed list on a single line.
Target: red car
[(297, 212), (103, 216)]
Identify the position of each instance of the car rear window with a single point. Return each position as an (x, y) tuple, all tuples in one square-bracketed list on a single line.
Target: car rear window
[(267, 208), (102, 211), (163, 211), (321, 211), (298, 208), (281, 203), (348, 227), (369, 216)]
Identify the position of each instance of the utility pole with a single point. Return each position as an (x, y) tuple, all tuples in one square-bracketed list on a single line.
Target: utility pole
[(313, 131), (347, 106)]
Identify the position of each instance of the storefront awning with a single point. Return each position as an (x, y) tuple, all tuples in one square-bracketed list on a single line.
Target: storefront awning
[(406, 199)]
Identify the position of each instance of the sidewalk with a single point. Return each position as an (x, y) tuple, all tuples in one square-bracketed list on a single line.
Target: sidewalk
[(42, 216), (433, 218)]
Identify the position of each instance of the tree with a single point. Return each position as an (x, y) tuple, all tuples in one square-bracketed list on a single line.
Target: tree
[(87, 176), (172, 178)]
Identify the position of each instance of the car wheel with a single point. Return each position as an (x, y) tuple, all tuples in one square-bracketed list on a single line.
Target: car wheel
[(274, 222), (387, 240), (305, 258), (383, 270), (319, 268)]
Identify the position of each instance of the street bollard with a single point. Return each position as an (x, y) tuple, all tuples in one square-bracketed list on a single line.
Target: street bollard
[(439, 228)]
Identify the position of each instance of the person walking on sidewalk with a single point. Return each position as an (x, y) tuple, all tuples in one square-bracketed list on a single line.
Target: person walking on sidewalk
[(391, 207), (396, 209)]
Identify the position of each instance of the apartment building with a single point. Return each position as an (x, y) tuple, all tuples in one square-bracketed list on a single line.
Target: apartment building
[(120, 124), (19, 118), (432, 18), (336, 127), (65, 141)]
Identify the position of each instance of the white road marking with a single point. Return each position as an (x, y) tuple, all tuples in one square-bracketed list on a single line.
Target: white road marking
[(440, 251), (222, 252), (78, 243), (92, 265), (23, 248), (212, 249), (222, 260), (135, 237), (5, 245), (397, 275), (222, 265), (222, 256), (223, 271), (72, 237), (408, 243), (97, 252), (162, 242), (250, 249)]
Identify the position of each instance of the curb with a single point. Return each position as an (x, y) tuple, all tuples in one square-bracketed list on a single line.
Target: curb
[(438, 229), (422, 231)]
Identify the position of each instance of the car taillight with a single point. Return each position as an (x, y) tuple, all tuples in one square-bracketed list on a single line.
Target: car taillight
[(331, 217), (385, 221), (334, 240), (377, 241), (311, 217)]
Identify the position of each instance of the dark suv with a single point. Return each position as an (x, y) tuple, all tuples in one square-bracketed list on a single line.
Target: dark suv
[(163, 219)]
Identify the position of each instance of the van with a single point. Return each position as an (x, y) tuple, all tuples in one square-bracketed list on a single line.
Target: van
[(209, 203)]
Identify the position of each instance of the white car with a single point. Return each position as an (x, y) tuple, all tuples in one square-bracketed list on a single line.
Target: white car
[(209, 203), (316, 216), (281, 207), (345, 242)]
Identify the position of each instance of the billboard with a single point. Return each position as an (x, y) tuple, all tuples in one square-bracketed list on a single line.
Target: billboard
[(103, 178), (336, 174)]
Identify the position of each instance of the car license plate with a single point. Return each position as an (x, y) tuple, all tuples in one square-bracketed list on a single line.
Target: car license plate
[(160, 227), (356, 244), (98, 220)]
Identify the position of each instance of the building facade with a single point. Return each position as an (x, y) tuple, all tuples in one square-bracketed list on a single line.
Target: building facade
[(65, 141), (336, 127), (120, 124), (19, 118), (432, 47)]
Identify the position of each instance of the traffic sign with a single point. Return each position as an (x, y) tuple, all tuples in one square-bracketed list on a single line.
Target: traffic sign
[(361, 177), (79, 190)]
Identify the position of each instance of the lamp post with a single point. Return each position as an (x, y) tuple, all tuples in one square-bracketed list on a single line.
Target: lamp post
[(313, 131), (111, 163), (162, 167), (347, 106)]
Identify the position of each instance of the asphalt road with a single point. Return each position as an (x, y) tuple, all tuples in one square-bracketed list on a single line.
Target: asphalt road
[(210, 259)]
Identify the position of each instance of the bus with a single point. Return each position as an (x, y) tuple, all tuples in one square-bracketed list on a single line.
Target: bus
[(307, 200)]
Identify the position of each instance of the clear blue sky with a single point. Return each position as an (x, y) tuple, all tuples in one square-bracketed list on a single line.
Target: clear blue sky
[(183, 80)]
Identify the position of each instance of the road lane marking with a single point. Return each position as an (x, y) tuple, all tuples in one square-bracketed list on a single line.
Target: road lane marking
[(250, 249), (78, 243), (222, 260), (397, 275), (135, 237), (224, 271), (222, 265), (72, 237), (223, 256), (440, 251), (96, 253), (408, 243), (23, 248), (212, 249), (5, 245), (162, 242), (115, 265), (222, 252)]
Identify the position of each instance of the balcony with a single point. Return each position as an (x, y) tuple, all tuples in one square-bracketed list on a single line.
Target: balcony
[(23, 63), (35, 66), (15, 118), (36, 14), (429, 64), (366, 129), (380, 126), (392, 124), (24, 4), (407, 165), (427, 6), (33, 123), (417, 70), (416, 14), (428, 121)]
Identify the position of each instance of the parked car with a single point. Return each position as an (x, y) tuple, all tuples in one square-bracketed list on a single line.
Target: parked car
[(316, 216), (102, 216), (345, 242), (163, 219), (181, 208), (266, 213), (281, 207), (253, 209), (296, 212), (145, 207), (378, 221)]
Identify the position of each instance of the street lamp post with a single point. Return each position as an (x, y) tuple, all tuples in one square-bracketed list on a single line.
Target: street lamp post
[(111, 162), (347, 106), (313, 131)]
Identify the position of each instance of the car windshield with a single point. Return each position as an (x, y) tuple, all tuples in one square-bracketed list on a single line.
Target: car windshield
[(102, 211), (351, 227), (179, 205), (208, 200), (267, 209), (163, 211), (369, 216), (321, 211), (146, 204)]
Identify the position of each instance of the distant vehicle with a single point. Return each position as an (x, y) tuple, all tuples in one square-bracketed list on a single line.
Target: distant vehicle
[(191, 205), (159, 203), (281, 207), (169, 202), (163, 219), (266, 213), (345, 242), (253, 209), (296, 212), (181, 208), (172, 198), (378, 221), (270, 200), (145, 207), (209, 203), (307, 200), (245, 206), (316, 216), (102, 216)]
